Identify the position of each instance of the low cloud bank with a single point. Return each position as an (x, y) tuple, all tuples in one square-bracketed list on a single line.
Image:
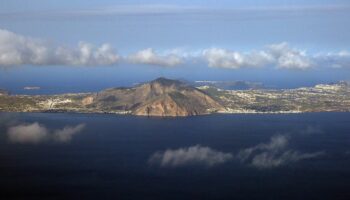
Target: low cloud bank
[(194, 155), (20, 50), (150, 57), (36, 133), (16, 49), (280, 55)]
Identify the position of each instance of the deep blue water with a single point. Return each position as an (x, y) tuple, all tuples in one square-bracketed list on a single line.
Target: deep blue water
[(109, 159)]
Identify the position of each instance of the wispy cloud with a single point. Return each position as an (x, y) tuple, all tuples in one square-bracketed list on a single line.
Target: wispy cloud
[(35, 133), (339, 59), (178, 9), (66, 134), (194, 155), (310, 130), (273, 154), (139, 9)]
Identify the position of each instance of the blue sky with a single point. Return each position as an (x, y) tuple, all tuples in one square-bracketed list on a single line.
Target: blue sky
[(281, 43)]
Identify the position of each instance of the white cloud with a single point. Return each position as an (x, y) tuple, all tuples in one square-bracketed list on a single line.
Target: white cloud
[(36, 133), (66, 134), (16, 50), (279, 55), (289, 58), (194, 155), (223, 58), (27, 133), (150, 57), (273, 154), (20, 50), (87, 54)]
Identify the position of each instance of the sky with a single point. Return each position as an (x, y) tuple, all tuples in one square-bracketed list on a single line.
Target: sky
[(81, 45)]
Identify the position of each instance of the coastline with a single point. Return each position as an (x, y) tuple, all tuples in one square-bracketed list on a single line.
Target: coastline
[(153, 116)]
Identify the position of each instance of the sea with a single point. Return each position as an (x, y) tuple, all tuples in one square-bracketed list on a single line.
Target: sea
[(222, 156)]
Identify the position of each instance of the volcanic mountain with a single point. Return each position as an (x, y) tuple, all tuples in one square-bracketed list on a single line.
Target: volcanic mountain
[(160, 97)]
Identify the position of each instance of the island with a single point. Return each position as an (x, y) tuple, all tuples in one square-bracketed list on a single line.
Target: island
[(31, 88), (173, 98)]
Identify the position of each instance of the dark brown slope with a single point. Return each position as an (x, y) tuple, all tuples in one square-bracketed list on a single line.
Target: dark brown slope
[(161, 97)]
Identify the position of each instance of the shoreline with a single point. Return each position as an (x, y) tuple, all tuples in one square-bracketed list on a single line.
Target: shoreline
[(153, 116)]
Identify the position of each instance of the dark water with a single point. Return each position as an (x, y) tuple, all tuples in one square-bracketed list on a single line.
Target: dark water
[(109, 159)]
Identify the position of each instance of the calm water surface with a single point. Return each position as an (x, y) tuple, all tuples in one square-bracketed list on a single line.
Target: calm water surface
[(110, 157)]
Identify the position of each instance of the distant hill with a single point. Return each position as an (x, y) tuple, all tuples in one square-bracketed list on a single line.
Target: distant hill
[(160, 97), (230, 85)]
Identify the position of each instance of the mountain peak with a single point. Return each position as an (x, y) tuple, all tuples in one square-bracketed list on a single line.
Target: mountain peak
[(160, 97), (166, 81)]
